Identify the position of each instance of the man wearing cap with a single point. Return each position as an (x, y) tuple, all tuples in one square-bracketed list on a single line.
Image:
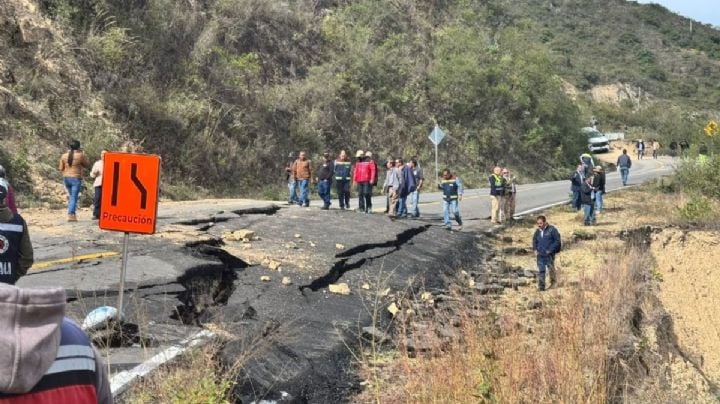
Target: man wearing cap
[(343, 175), (363, 175), (324, 180), (16, 252)]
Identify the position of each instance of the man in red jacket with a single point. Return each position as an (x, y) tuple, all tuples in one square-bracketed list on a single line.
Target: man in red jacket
[(363, 175)]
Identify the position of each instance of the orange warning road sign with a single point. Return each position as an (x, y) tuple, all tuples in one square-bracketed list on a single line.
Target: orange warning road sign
[(130, 192)]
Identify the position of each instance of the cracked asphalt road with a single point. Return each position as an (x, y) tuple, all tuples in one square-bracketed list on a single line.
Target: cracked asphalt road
[(293, 338)]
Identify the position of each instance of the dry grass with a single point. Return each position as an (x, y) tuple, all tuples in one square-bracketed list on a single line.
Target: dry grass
[(565, 352), (196, 378), (560, 353)]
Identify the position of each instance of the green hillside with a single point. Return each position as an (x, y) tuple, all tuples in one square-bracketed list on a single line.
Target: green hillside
[(225, 89)]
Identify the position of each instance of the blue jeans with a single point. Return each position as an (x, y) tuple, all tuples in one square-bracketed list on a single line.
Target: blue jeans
[(292, 191), (545, 262), (303, 188), (402, 206), (72, 184), (324, 192), (448, 207), (598, 201), (624, 171), (415, 200), (589, 210), (576, 200)]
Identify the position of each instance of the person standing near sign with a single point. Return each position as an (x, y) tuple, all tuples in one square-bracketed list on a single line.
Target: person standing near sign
[(16, 252), (97, 173), (72, 164)]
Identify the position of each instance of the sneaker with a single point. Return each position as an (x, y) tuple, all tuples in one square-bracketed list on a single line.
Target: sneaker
[(72, 218)]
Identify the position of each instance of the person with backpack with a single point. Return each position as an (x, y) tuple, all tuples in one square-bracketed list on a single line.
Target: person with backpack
[(546, 244)]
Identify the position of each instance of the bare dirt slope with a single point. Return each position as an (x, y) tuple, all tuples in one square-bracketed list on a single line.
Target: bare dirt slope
[(687, 265)]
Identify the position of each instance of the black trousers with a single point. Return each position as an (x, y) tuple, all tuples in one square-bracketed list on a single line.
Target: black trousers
[(97, 200), (343, 190), (365, 196)]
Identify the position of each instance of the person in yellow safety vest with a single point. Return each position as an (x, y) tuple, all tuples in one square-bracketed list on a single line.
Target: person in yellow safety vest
[(497, 194), (343, 171), (510, 192)]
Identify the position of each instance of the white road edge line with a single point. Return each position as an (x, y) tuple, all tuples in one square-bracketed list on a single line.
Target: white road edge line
[(121, 381)]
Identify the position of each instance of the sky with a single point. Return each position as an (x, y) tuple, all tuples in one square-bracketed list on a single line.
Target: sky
[(707, 11)]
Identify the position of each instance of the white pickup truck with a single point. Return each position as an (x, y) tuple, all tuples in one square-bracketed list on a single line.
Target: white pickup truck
[(597, 142)]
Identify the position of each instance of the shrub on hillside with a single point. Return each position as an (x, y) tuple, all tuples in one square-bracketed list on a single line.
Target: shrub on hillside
[(700, 176)]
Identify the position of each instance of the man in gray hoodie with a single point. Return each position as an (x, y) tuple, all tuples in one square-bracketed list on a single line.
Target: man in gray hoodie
[(45, 357)]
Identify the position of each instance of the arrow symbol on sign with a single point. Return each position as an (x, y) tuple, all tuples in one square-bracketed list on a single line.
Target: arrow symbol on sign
[(135, 180), (139, 185)]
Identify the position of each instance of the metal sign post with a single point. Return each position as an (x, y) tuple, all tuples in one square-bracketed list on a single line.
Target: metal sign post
[(123, 271), (436, 136)]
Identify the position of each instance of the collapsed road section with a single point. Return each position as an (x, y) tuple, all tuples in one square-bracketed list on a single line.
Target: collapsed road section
[(263, 278)]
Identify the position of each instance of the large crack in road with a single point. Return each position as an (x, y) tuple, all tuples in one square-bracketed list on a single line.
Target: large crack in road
[(286, 340)]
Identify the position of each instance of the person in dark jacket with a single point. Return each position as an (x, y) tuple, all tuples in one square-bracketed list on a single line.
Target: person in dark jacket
[(599, 185), (587, 198), (343, 175), (576, 181), (324, 180), (408, 186), (546, 243), (452, 189), (623, 164), (16, 251)]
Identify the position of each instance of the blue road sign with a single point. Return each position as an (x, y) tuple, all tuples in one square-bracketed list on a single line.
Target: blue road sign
[(437, 135)]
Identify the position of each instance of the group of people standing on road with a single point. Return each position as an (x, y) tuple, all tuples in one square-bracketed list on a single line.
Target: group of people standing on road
[(640, 148), (402, 185), (403, 181), (588, 187)]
